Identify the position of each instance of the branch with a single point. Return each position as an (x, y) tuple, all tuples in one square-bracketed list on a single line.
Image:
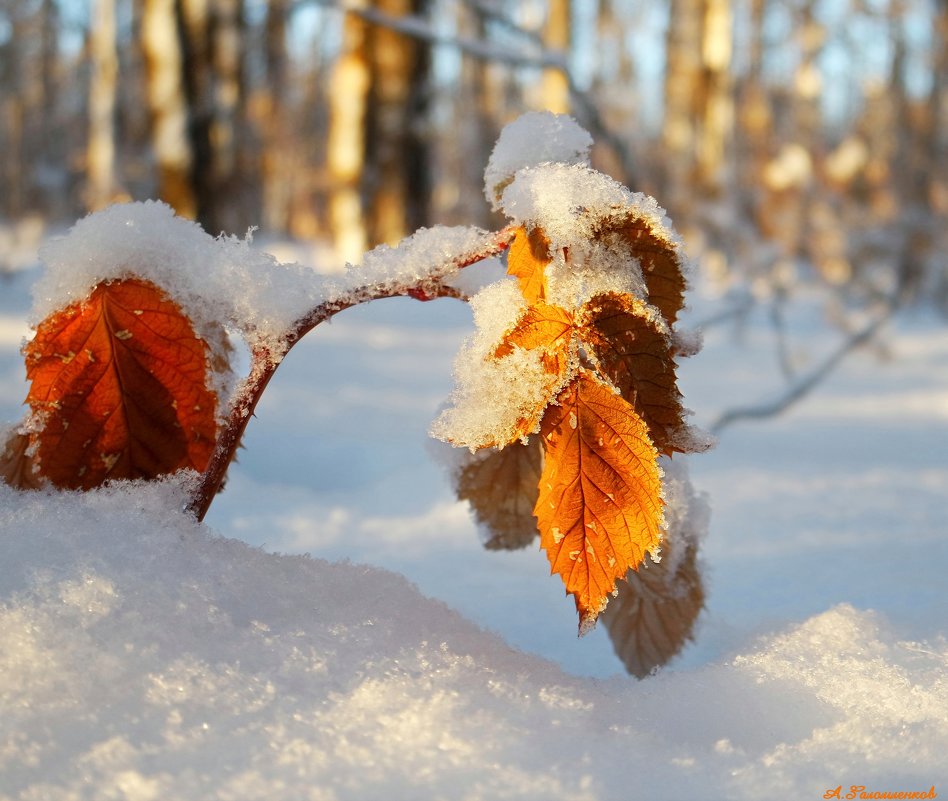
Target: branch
[(806, 383), (264, 362)]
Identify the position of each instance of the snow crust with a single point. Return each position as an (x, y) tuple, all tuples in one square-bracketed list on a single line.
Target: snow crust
[(144, 657)]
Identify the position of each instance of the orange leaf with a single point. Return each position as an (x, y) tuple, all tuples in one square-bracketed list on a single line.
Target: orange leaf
[(541, 325), (527, 259), (600, 505), (548, 328), (119, 385), (661, 264), (501, 487), (638, 359)]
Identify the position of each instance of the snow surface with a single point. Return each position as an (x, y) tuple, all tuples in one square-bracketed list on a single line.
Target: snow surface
[(145, 657)]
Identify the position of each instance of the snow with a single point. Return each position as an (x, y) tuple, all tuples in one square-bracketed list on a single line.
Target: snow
[(225, 280), (538, 137), (145, 657), (492, 396)]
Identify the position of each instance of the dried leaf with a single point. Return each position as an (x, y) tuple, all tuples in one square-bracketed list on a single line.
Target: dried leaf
[(527, 259), (501, 487), (17, 465), (661, 264), (638, 358), (599, 508), (119, 388), (654, 612)]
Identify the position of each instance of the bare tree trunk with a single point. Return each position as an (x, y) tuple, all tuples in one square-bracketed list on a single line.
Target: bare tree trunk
[(164, 88), (277, 159), (717, 111), (345, 153), (396, 180), (100, 151), (682, 99), (224, 185), (556, 39)]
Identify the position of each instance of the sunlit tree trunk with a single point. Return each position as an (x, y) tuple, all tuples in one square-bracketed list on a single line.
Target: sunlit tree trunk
[(100, 151), (345, 151), (717, 105), (556, 39), (164, 89), (682, 99)]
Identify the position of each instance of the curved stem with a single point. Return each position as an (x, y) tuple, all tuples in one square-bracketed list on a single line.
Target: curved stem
[(264, 363)]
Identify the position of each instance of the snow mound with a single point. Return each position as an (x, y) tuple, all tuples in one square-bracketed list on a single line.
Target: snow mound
[(144, 657), (538, 137)]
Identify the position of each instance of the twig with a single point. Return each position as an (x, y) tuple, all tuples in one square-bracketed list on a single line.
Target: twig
[(264, 362), (806, 383)]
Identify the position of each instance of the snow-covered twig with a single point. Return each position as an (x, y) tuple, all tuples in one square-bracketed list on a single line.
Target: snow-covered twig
[(264, 362)]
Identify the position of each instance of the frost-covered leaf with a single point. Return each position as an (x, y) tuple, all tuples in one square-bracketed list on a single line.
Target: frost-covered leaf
[(119, 389), (660, 258), (600, 502), (527, 259), (653, 613), (637, 355), (501, 487)]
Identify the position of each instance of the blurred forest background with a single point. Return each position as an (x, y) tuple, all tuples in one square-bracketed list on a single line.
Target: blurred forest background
[(789, 139)]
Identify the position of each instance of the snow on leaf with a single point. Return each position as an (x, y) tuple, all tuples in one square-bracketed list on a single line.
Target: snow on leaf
[(527, 259), (501, 487), (119, 389), (636, 354), (600, 505)]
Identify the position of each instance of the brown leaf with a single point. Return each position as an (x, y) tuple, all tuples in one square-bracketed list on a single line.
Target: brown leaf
[(17, 465), (527, 259), (599, 508), (654, 612), (661, 265), (638, 358), (119, 387), (501, 487)]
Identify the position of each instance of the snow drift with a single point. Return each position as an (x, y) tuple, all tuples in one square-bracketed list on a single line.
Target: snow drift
[(144, 657)]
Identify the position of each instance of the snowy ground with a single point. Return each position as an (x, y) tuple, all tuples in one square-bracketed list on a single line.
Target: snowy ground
[(143, 657)]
